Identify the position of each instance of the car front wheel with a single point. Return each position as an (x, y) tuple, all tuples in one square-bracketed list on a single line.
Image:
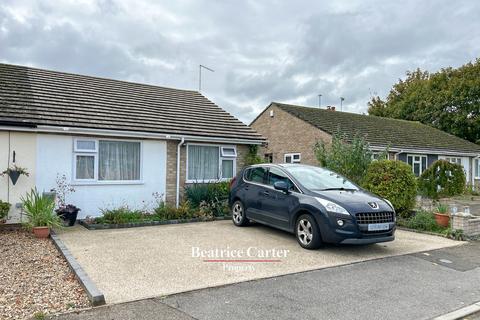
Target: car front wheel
[(238, 214), (308, 232)]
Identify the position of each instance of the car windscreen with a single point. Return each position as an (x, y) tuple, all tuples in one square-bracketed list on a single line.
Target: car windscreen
[(319, 179)]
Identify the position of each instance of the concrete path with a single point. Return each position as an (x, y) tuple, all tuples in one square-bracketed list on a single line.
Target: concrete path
[(416, 286), (136, 263)]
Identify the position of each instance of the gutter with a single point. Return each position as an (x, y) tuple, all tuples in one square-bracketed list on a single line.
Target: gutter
[(130, 134), (177, 192)]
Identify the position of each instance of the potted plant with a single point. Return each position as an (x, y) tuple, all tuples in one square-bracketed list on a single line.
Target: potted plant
[(441, 215), (68, 212), (40, 213), (14, 172), (4, 208)]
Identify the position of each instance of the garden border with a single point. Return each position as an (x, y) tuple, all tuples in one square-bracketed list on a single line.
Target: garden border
[(103, 226), (94, 295)]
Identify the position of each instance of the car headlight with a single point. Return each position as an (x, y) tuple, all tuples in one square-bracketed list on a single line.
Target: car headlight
[(332, 207), (389, 203)]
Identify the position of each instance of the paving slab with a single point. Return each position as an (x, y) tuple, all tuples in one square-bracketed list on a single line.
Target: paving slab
[(136, 263)]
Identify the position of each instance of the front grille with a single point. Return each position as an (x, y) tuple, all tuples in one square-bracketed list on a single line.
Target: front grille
[(374, 217)]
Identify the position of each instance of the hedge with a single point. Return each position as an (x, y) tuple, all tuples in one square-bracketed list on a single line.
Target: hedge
[(442, 179), (392, 180)]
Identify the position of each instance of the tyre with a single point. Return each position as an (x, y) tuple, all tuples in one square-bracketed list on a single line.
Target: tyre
[(308, 232), (238, 214)]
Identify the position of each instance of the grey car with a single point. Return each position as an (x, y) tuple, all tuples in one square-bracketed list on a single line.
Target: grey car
[(316, 204)]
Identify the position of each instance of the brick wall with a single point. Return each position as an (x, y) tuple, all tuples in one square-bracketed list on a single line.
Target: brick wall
[(288, 134), (468, 223), (170, 195)]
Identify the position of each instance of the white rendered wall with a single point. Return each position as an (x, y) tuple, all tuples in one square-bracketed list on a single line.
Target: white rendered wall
[(55, 156)]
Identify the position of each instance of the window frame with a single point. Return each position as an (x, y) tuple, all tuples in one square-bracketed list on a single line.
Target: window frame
[(476, 168), (292, 155), (95, 153), (413, 155), (220, 160)]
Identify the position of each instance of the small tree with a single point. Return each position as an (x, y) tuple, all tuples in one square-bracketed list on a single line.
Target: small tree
[(252, 156), (442, 179), (349, 158), (393, 180)]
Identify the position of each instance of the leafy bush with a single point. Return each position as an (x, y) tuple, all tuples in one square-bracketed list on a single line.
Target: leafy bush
[(252, 156), (40, 210), (349, 158), (423, 220), (4, 208), (442, 179), (120, 215), (208, 192), (393, 180), (165, 211)]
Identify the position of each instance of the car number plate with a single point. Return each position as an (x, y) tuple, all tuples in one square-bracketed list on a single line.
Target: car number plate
[(378, 226)]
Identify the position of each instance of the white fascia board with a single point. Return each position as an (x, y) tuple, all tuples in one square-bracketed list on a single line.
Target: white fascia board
[(425, 151), (127, 134)]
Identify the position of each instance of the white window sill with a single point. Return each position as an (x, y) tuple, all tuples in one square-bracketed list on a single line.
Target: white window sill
[(208, 181), (106, 183)]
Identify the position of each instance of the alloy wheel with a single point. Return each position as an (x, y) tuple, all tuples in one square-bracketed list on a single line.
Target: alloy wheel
[(237, 213), (304, 232)]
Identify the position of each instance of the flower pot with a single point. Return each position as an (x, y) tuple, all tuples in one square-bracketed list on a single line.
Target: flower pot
[(41, 232), (14, 175), (68, 214), (442, 219)]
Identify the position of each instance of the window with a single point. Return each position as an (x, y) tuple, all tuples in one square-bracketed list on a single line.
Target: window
[(106, 160), (256, 174), (275, 175), (418, 163), (268, 157), (210, 163), (291, 158), (455, 160)]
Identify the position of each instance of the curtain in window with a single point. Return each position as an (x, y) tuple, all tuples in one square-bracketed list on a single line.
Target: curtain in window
[(203, 162), (119, 160), (85, 166), (227, 168)]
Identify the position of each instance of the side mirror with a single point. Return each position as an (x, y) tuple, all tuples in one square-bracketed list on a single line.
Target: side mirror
[(281, 185)]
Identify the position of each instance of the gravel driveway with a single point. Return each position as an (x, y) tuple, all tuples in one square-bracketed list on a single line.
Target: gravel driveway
[(129, 264), (34, 278)]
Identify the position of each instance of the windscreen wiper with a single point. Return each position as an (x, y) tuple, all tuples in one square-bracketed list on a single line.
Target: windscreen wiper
[(341, 188)]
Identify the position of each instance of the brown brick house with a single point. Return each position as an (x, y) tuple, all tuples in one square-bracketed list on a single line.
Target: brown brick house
[(115, 141), (292, 132)]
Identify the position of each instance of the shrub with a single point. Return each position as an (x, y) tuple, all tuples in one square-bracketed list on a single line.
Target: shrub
[(442, 179), (252, 156), (120, 215), (40, 210), (349, 158), (165, 211), (208, 192), (393, 180), (423, 220), (4, 208)]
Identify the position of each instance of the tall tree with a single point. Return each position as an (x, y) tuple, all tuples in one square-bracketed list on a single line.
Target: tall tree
[(448, 100)]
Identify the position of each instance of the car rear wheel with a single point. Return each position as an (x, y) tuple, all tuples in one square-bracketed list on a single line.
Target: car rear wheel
[(238, 214), (308, 232)]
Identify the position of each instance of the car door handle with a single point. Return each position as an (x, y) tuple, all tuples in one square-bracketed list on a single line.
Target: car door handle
[(265, 193)]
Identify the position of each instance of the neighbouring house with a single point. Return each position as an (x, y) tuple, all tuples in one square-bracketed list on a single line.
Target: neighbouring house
[(292, 132), (117, 142)]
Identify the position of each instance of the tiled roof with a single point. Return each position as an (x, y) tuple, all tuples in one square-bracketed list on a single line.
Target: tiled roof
[(32, 97), (380, 131)]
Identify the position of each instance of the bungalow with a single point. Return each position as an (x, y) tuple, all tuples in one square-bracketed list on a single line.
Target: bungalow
[(116, 142), (292, 132)]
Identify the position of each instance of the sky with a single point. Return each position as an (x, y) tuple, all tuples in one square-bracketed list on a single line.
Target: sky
[(260, 51)]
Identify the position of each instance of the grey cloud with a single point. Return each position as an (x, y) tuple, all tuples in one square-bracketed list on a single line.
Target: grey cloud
[(261, 51)]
